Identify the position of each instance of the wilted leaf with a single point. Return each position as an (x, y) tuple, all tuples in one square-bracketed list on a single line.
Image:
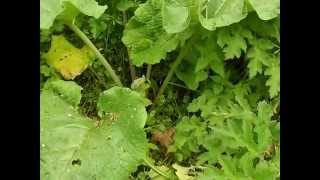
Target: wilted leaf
[(67, 59)]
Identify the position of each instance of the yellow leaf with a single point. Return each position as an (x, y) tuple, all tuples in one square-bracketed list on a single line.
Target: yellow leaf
[(182, 172), (68, 60)]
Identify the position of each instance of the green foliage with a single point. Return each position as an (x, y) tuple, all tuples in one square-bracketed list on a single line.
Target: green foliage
[(213, 14), (213, 87), (233, 40), (72, 147), (189, 134), (68, 9)]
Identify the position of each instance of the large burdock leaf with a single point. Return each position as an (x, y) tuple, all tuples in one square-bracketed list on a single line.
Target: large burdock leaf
[(50, 9), (219, 13), (72, 147), (67, 59), (266, 9), (146, 38)]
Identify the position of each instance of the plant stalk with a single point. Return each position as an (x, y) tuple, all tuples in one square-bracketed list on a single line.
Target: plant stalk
[(149, 68), (102, 59), (131, 67), (171, 72), (156, 169)]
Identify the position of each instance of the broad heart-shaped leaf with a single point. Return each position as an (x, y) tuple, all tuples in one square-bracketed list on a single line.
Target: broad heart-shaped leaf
[(266, 9), (67, 59), (219, 13), (125, 103), (145, 37), (50, 9), (72, 147), (175, 18)]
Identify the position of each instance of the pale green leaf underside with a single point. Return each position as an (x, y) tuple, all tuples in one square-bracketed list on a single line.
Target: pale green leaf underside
[(50, 9), (73, 148), (175, 18), (219, 13), (266, 9)]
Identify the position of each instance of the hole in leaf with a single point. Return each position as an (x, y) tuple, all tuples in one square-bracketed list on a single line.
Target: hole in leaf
[(76, 162)]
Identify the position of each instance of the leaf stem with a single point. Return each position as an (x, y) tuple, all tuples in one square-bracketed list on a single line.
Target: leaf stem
[(170, 73), (102, 59), (131, 67), (149, 68), (156, 169)]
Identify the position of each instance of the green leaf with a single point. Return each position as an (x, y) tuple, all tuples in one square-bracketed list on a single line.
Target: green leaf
[(266, 9), (210, 55), (175, 17), (145, 37), (259, 56), (124, 5), (233, 40), (187, 73), (265, 29), (189, 132), (50, 9), (67, 90), (73, 148), (241, 169), (273, 71), (219, 13), (128, 104)]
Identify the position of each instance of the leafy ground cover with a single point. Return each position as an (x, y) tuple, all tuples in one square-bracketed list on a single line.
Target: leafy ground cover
[(160, 89)]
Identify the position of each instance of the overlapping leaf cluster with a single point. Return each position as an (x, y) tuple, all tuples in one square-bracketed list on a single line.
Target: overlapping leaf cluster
[(219, 30), (227, 55)]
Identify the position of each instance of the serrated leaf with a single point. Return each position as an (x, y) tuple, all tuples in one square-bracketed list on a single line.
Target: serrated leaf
[(73, 148), (145, 37), (259, 56), (233, 40), (266, 9), (219, 13), (210, 55), (67, 59), (186, 72), (189, 132), (50, 9), (273, 71)]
